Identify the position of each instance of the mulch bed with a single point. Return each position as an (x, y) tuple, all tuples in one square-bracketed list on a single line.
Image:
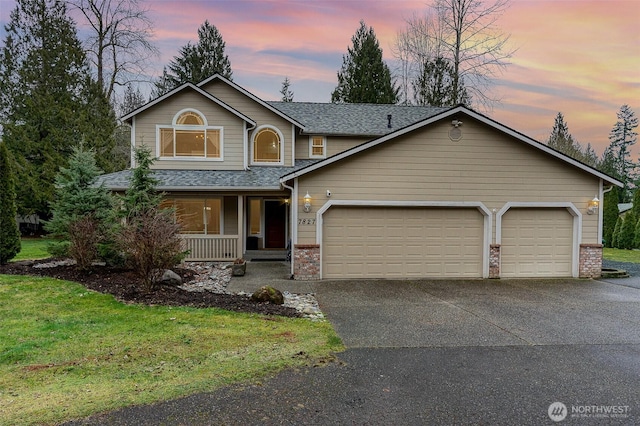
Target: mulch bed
[(125, 286)]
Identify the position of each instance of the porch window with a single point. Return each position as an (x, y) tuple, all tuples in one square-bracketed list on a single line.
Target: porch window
[(197, 215), (317, 147), (255, 212), (267, 146), (190, 137)]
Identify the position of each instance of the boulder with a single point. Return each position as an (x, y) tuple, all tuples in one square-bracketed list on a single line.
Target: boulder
[(268, 294), (170, 278)]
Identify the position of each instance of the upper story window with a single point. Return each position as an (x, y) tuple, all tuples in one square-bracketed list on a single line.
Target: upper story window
[(317, 147), (189, 137), (267, 146)]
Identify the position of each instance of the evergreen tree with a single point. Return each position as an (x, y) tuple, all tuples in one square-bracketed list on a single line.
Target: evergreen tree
[(627, 231), (622, 137), (49, 100), (616, 233), (9, 231), (196, 62), (141, 195), (287, 94), (609, 216), (561, 140), (434, 86), (364, 77), (81, 210)]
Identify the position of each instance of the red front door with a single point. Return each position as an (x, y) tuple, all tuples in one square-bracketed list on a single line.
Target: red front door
[(275, 213)]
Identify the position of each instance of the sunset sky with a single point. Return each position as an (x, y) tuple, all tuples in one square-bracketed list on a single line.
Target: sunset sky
[(578, 57)]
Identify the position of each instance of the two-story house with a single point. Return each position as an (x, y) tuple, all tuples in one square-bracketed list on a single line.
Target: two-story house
[(367, 191)]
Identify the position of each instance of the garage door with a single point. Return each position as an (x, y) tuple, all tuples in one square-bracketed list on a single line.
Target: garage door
[(394, 242), (537, 243)]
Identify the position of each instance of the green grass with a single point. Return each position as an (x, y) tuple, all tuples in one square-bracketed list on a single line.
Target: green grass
[(619, 255), (66, 352), (33, 248)]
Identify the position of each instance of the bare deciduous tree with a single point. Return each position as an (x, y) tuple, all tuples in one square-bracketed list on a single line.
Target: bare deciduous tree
[(463, 32), (120, 40)]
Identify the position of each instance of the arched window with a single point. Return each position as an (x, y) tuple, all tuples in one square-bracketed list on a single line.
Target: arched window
[(267, 146), (190, 137)]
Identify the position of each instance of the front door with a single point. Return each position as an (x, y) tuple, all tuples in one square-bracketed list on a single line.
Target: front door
[(275, 213)]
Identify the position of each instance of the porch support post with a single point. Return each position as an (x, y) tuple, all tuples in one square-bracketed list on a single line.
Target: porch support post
[(241, 239)]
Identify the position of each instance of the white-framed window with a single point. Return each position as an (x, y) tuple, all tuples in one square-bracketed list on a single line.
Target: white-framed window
[(317, 147), (197, 215), (189, 137), (267, 146)]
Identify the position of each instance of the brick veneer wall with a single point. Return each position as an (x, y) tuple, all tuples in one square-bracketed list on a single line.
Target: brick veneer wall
[(306, 262), (494, 261), (590, 261)]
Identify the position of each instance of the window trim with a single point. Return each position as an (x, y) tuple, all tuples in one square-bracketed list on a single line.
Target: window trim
[(174, 126), (252, 142), (324, 146)]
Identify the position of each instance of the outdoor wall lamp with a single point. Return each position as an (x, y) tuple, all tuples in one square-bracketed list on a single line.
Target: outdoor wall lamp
[(592, 206), (307, 203)]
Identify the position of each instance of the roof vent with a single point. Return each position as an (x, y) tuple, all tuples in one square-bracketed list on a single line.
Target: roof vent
[(389, 121)]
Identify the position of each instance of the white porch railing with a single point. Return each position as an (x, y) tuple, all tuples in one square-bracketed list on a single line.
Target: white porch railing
[(211, 247)]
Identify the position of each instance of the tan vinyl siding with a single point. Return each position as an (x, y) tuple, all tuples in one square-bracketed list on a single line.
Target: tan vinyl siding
[(485, 165), (163, 113), (260, 114)]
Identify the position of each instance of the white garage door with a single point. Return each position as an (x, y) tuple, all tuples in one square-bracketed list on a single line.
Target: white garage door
[(537, 243), (394, 242)]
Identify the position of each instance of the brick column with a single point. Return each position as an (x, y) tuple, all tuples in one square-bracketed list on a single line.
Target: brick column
[(590, 261), (306, 262), (494, 261)]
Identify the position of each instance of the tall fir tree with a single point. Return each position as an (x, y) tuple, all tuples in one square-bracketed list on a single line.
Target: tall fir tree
[(9, 231), (48, 97), (561, 140), (285, 91), (196, 62), (622, 137), (609, 216), (364, 76)]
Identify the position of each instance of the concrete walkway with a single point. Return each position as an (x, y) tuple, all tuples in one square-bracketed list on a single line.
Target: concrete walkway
[(275, 274)]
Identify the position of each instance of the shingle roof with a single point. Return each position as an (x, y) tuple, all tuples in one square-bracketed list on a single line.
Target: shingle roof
[(354, 119), (258, 178)]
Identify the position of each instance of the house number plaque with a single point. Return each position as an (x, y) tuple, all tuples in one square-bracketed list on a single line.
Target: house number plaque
[(307, 221)]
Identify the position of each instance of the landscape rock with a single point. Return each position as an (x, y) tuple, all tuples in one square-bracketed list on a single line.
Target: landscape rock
[(170, 278), (268, 294)]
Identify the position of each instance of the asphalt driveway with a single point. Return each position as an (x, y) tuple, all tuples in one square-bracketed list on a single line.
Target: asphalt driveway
[(445, 352), (455, 313)]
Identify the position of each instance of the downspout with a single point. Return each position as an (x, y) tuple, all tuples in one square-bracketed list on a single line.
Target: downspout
[(293, 214), (246, 145)]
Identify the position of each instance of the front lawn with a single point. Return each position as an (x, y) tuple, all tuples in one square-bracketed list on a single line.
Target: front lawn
[(32, 248), (619, 255), (67, 352)]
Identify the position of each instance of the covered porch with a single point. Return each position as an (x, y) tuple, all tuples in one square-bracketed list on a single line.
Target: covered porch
[(220, 227)]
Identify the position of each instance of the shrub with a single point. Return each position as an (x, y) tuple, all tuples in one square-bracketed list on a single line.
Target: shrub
[(84, 235), (151, 243), (616, 233)]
